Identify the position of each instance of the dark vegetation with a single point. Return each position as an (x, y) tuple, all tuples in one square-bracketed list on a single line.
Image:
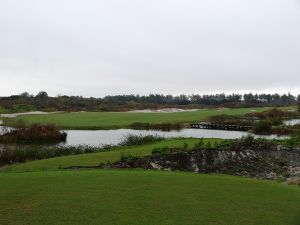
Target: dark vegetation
[(134, 140), (160, 126), (268, 122), (27, 102), (231, 120), (275, 116), (271, 121), (36, 133), (22, 153), (10, 154), (262, 127)]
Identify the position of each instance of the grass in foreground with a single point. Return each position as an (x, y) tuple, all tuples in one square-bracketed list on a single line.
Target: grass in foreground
[(111, 197), (93, 159), (113, 120)]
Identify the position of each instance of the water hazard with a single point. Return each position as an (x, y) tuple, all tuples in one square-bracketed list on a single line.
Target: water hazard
[(103, 137)]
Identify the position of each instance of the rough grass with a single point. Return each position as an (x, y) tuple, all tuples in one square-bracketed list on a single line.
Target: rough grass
[(112, 197), (93, 159), (112, 120)]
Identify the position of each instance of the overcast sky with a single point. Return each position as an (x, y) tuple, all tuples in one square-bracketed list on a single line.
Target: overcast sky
[(101, 47)]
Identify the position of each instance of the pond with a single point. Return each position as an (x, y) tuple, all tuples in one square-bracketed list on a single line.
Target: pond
[(103, 137), (291, 122)]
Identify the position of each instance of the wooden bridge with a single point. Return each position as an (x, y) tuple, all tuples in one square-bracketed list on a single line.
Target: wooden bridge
[(216, 126)]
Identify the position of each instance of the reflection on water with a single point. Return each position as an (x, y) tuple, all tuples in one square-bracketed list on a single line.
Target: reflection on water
[(291, 122), (100, 137), (103, 137)]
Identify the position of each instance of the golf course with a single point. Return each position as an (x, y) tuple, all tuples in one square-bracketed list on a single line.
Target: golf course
[(114, 197), (114, 120), (45, 191), (42, 192), (137, 112)]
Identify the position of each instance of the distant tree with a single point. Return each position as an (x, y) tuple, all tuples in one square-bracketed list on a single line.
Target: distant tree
[(25, 95), (42, 95)]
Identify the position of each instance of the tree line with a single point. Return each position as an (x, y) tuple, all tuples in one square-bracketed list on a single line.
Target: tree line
[(42, 101)]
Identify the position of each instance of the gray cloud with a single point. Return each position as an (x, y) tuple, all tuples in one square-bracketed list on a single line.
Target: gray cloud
[(95, 48)]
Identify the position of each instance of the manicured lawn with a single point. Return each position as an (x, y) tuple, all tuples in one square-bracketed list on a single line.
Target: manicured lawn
[(112, 197), (111, 120), (51, 196), (94, 159)]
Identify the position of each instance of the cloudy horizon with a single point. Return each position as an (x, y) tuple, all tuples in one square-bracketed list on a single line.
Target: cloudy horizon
[(99, 48)]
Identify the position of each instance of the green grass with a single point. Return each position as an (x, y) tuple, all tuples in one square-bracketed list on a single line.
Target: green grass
[(2, 110), (112, 197), (50, 196), (112, 120), (93, 159)]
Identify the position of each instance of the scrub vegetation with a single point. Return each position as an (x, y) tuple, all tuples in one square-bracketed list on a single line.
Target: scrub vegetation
[(42, 102), (35, 133)]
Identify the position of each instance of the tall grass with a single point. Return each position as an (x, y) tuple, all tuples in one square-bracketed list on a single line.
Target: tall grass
[(10, 154), (140, 139), (157, 126), (17, 154), (36, 133)]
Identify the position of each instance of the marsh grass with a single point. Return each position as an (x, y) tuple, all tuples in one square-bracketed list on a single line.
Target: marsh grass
[(158, 126), (133, 140), (10, 154), (23, 153), (36, 133)]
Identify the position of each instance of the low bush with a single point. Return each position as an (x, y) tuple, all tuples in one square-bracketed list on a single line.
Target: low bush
[(36, 133), (159, 126), (18, 154), (130, 139), (262, 127)]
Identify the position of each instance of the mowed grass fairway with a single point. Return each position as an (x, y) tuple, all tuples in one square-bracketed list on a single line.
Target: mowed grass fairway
[(112, 197), (113, 120), (42, 193)]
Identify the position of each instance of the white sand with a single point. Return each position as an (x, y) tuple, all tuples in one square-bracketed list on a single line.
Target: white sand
[(165, 110), (11, 115)]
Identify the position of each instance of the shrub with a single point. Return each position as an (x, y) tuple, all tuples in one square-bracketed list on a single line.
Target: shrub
[(159, 126), (17, 154), (140, 139), (262, 127), (37, 133)]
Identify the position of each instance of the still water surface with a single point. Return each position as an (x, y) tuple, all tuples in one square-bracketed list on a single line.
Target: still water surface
[(291, 122), (101, 137)]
